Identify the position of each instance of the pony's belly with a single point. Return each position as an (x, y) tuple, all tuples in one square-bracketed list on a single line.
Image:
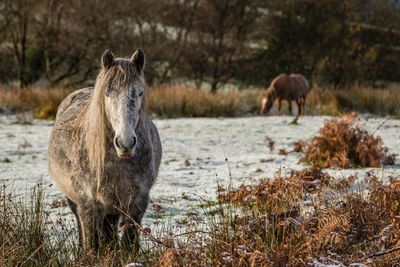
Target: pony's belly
[(62, 177)]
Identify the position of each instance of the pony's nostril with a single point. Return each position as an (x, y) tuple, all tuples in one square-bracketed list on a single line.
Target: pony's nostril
[(134, 141), (117, 143), (125, 146)]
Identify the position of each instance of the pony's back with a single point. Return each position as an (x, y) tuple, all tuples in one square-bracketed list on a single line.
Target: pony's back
[(283, 86), (301, 84)]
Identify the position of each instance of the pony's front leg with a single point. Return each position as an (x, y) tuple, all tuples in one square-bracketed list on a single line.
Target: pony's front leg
[(279, 106), (74, 209), (89, 218), (290, 107), (109, 232), (132, 223)]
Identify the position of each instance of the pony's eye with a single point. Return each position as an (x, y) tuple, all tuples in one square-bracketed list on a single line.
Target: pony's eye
[(110, 91)]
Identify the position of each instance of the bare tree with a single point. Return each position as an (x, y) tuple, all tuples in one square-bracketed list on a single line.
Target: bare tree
[(220, 39), (17, 16)]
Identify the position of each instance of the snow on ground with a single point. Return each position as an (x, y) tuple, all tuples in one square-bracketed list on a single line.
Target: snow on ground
[(197, 155)]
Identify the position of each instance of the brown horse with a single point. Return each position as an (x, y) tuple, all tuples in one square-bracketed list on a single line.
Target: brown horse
[(286, 87)]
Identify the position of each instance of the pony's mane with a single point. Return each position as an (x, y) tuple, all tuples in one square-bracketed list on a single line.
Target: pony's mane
[(271, 89), (271, 92), (94, 124)]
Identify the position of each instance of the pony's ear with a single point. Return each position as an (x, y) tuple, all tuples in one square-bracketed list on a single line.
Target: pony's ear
[(138, 59), (107, 59)]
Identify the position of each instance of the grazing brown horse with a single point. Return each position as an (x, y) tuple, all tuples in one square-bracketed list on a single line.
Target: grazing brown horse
[(286, 87), (105, 152)]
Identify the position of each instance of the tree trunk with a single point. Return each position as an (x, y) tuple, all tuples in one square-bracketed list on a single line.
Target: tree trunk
[(214, 86)]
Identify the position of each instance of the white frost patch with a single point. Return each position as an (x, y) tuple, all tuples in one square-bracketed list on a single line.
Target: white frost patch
[(197, 154)]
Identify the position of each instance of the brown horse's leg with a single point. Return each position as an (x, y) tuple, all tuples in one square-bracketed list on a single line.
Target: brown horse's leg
[(290, 107), (298, 102), (304, 105), (279, 106)]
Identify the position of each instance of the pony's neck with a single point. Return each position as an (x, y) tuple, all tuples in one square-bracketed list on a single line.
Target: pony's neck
[(272, 92)]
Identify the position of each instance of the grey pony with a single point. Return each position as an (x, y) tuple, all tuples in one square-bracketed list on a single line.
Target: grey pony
[(105, 152)]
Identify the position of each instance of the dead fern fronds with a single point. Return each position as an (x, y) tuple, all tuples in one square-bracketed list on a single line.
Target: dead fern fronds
[(298, 146), (332, 231), (270, 143), (343, 143), (390, 257)]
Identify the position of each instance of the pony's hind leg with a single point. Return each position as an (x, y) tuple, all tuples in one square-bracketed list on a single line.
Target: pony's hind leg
[(74, 209), (290, 107), (109, 228), (299, 106)]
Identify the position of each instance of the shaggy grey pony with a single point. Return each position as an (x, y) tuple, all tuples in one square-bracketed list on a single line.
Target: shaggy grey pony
[(105, 152)]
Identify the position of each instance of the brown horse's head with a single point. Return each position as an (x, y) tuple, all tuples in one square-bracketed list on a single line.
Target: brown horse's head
[(267, 100)]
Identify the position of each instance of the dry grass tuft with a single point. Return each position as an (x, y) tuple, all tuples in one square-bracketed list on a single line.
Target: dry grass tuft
[(24, 231), (298, 146), (282, 151), (330, 101), (302, 219), (186, 101), (270, 143), (43, 102), (179, 100), (343, 143), (32, 235)]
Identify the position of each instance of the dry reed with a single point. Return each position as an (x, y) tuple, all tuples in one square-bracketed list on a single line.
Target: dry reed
[(186, 101)]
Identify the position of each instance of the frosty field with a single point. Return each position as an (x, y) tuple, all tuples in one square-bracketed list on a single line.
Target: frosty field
[(197, 155)]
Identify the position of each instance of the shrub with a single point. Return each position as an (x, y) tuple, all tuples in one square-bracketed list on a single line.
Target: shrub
[(308, 218), (342, 143)]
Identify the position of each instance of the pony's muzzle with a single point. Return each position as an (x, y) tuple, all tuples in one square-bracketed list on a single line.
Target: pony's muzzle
[(263, 109), (125, 147)]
